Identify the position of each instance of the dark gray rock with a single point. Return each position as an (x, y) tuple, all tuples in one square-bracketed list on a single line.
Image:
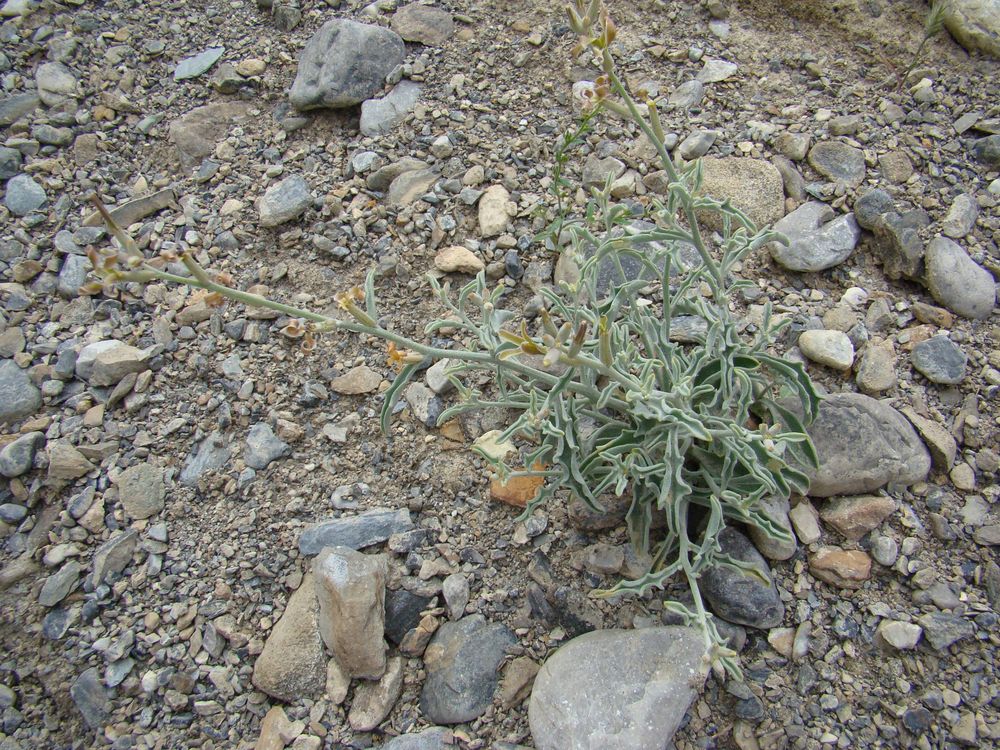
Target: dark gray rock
[(687, 95), (91, 699), (19, 397), (73, 275), (402, 613), (958, 282), (213, 452), (113, 556), (363, 530), (24, 195), (56, 623), (435, 738), (987, 150), (18, 457), (380, 116), (898, 242), (263, 447), (617, 689), (10, 162), (58, 585), (838, 162), (194, 66), (817, 238), (284, 201), (863, 444), (462, 662), (939, 360), (941, 629), (344, 63), (16, 106), (870, 206), (737, 596)]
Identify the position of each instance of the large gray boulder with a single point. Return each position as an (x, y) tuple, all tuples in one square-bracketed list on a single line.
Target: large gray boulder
[(863, 444), (617, 689), (345, 63), (975, 24)]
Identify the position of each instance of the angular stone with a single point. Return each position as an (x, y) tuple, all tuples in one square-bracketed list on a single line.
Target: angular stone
[(845, 568), (66, 463), (382, 177), (435, 738), (411, 185), (285, 201), (196, 133), (870, 206), (898, 242), (264, 447), (141, 490), (213, 452), (403, 613), (292, 665), (957, 281), (987, 150), (24, 195), (58, 585), (597, 171), (458, 259), (863, 444), (113, 556), (374, 700), (350, 587), (19, 398), (942, 629), (16, 106), (194, 66), (687, 95), (715, 71), (805, 519), (495, 210), (617, 689), (55, 82), (356, 532), (940, 360), (380, 116), (104, 363), (752, 185), (903, 636), (817, 238), (462, 662), (91, 698), (961, 217), (838, 162), (940, 442), (361, 379), (877, 369), (344, 63), (739, 597), (424, 24), (855, 516)]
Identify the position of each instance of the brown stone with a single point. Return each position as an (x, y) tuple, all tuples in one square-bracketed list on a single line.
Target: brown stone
[(854, 517), (516, 491), (845, 568)]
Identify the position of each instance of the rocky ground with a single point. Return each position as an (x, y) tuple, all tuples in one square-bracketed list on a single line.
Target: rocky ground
[(175, 472)]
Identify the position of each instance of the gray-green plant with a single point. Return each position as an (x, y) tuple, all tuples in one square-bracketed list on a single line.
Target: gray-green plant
[(606, 399), (933, 25)]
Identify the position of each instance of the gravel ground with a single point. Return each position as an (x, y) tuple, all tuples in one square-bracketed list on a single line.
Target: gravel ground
[(151, 516)]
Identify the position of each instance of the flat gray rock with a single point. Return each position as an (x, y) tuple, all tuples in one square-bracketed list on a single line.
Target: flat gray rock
[(344, 63), (863, 444), (423, 24), (617, 689), (899, 245), (363, 530), (838, 162), (940, 360), (10, 162), (958, 282), (264, 447), (462, 662), (870, 206), (284, 201), (987, 150), (435, 738), (736, 596), (91, 698), (58, 585), (19, 398), (212, 453), (141, 490), (817, 238), (194, 66), (196, 133), (16, 106), (687, 95), (379, 116), (24, 195)]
